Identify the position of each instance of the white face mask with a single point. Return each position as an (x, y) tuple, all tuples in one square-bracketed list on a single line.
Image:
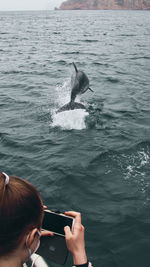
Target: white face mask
[(37, 246)]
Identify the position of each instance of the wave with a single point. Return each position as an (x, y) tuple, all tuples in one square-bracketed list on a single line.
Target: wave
[(142, 149), (132, 165), (90, 41), (127, 35), (4, 33), (138, 57), (56, 33), (39, 72), (112, 79), (71, 53), (62, 62), (100, 64)]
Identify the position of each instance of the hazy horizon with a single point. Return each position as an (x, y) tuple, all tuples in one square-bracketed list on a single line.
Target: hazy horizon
[(17, 5)]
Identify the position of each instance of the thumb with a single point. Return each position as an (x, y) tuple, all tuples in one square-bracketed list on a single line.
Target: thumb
[(68, 233)]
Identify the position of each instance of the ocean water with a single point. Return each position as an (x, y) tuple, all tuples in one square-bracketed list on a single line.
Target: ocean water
[(95, 161)]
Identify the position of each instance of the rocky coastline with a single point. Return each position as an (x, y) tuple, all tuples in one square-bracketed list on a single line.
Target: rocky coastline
[(105, 5)]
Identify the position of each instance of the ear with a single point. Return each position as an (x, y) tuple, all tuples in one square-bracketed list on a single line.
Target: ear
[(31, 237)]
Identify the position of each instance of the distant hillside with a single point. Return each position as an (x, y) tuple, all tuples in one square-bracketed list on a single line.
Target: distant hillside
[(105, 4)]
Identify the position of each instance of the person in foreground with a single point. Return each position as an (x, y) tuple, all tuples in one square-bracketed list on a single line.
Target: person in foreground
[(21, 215)]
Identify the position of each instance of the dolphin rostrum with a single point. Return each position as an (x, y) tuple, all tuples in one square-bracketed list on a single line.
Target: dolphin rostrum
[(79, 86)]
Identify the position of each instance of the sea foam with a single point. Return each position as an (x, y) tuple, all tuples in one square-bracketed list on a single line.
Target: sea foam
[(71, 119)]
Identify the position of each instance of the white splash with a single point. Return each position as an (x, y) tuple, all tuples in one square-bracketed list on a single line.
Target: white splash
[(71, 119), (62, 93), (144, 158)]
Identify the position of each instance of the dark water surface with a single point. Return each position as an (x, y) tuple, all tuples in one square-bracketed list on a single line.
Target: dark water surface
[(98, 161)]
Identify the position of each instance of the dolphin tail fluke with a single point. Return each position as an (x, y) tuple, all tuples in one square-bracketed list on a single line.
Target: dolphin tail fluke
[(76, 105), (71, 106), (75, 67)]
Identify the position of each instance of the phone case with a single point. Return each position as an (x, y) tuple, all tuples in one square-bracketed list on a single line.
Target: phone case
[(53, 248)]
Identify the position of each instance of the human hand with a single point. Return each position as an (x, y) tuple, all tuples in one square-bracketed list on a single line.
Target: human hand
[(75, 239)]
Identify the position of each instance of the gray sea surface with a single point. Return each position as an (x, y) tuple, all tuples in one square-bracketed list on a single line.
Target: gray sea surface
[(95, 161)]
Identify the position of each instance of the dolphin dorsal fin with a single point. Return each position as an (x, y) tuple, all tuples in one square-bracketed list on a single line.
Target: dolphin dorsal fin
[(75, 67)]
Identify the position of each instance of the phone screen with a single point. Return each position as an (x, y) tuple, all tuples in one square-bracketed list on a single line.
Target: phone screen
[(56, 222)]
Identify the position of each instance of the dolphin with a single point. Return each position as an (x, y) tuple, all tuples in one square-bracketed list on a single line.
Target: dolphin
[(80, 84)]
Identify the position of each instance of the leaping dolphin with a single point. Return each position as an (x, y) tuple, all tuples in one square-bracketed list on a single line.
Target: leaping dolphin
[(80, 86)]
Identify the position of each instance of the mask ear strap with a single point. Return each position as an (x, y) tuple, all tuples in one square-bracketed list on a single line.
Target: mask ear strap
[(39, 233), (29, 252), (28, 249)]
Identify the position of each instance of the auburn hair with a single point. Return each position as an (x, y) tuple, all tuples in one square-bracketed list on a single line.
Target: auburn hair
[(21, 210)]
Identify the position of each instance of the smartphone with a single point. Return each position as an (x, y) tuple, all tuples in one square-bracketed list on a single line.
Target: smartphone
[(55, 222)]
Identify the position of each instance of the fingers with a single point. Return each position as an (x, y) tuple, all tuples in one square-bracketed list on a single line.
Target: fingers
[(46, 233), (77, 224), (68, 233), (77, 215), (72, 213), (75, 240)]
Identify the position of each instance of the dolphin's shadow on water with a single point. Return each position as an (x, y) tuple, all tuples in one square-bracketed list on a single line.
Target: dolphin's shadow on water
[(79, 85)]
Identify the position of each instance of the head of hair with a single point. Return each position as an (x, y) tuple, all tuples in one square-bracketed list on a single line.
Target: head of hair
[(21, 210)]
